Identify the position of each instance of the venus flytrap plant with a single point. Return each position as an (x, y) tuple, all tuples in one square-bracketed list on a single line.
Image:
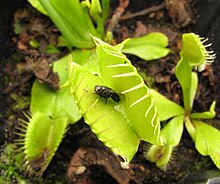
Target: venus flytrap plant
[(193, 55), (51, 112), (120, 126), (55, 110)]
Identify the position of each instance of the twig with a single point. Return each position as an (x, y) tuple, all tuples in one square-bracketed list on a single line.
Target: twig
[(143, 12), (117, 13)]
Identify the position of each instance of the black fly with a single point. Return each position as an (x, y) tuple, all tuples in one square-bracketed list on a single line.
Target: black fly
[(106, 92)]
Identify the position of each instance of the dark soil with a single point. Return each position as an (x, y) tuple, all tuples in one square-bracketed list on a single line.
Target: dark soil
[(170, 19)]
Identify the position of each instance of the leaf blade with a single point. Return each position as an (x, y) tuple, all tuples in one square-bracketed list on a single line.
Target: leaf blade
[(146, 48), (208, 141), (166, 108), (184, 76), (55, 103), (172, 132)]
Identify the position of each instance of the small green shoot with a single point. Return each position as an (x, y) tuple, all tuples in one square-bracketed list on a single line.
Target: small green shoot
[(34, 43), (9, 168)]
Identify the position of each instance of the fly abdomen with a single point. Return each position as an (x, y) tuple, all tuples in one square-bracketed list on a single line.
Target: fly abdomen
[(115, 97)]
